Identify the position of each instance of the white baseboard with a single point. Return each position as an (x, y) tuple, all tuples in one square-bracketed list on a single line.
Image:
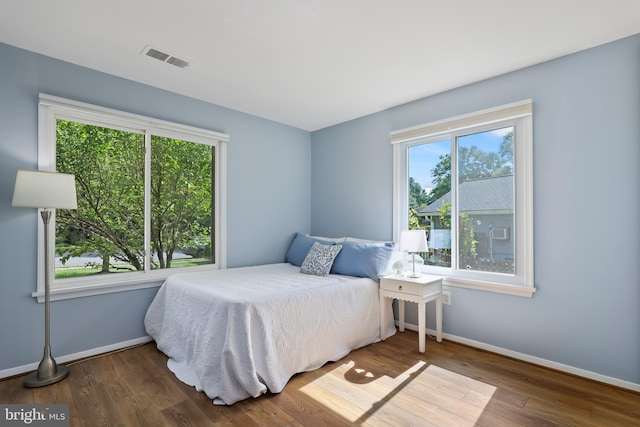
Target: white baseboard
[(535, 360), (76, 356), (483, 346)]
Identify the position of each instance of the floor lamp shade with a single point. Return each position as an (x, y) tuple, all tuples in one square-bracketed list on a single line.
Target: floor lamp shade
[(45, 190), (36, 189)]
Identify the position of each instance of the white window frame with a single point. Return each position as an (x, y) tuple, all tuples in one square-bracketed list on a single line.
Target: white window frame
[(519, 115), (50, 109)]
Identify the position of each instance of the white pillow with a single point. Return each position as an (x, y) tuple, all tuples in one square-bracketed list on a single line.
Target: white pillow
[(356, 239), (329, 239)]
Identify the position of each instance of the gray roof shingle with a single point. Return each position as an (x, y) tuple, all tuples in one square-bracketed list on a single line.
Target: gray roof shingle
[(478, 195)]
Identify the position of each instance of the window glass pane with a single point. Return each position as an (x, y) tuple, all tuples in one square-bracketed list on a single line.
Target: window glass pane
[(486, 201), (430, 198), (479, 229), (106, 233), (181, 203)]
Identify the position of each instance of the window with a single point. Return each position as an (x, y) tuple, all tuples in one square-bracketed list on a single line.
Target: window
[(150, 198), (468, 182)]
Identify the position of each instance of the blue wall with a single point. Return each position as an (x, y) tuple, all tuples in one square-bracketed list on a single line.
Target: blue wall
[(268, 199), (586, 313)]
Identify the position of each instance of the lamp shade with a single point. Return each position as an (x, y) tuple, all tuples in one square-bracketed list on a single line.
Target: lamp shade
[(38, 189), (413, 241)]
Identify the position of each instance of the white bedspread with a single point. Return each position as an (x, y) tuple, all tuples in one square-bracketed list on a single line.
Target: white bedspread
[(239, 332)]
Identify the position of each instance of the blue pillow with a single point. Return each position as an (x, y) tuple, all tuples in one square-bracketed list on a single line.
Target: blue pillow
[(362, 259), (299, 248)]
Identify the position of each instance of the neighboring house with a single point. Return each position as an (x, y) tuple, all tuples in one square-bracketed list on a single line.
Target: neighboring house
[(489, 204)]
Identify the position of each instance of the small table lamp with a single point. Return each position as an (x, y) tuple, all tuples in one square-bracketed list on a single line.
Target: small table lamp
[(48, 191), (413, 241)]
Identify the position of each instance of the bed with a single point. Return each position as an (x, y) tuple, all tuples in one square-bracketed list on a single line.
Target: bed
[(241, 332)]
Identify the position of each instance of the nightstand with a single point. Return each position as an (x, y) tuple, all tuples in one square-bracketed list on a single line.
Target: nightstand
[(420, 290)]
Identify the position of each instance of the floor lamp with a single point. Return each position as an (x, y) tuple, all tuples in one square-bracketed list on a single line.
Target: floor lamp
[(47, 191)]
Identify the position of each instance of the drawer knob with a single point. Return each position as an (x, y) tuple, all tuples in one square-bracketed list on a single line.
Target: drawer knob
[(400, 287)]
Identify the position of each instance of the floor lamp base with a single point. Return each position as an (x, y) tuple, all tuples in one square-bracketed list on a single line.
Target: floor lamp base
[(34, 380)]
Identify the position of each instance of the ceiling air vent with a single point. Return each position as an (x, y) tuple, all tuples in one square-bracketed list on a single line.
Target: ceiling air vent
[(164, 57)]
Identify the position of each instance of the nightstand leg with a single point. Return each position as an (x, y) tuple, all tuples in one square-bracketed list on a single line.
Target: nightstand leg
[(421, 326), (401, 315), (439, 319), (383, 317)]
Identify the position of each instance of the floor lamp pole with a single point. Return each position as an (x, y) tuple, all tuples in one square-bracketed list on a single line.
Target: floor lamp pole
[(49, 371)]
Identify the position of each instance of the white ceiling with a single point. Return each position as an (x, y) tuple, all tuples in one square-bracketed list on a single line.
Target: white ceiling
[(313, 63)]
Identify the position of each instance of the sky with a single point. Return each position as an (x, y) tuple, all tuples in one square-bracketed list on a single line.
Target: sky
[(423, 157)]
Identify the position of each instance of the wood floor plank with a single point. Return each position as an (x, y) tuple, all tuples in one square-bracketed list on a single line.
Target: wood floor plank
[(59, 393), (616, 416), (561, 412), (186, 413), (532, 380), (511, 416), (304, 408), (12, 391), (383, 384), (374, 402), (267, 414)]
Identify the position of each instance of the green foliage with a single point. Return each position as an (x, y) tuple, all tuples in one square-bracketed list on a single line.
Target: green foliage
[(473, 163), (181, 174), (417, 195), (506, 154), (467, 239), (417, 199), (414, 220), (467, 242), (441, 174), (445, 215), (109, 169)]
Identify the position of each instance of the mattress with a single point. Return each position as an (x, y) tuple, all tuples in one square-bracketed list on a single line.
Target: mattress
[(241, 332)]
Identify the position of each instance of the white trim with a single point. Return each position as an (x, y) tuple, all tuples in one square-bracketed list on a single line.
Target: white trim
[(521, 291), (483, 117), (118, 282), (220, 195), (69, 292), (147, 203), (76, 356), (129, 120), (50, 108), (535, 360), (518, 115), (400, 189), (472, 343)]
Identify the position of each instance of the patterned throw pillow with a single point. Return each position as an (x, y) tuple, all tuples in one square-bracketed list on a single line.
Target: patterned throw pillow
[(320, 259)]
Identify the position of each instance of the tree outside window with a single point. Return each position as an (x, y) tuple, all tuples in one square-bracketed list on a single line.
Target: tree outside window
[(108, 233), (480, 158)]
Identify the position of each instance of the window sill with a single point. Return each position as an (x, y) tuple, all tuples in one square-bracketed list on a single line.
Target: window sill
[(62, 293), (79, 288), (520, 291)]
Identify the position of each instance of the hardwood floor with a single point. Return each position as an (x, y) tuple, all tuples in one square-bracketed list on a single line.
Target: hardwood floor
[(383, 384)]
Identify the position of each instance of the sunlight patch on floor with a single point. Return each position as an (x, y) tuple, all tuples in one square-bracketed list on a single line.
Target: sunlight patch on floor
[(422, 393)]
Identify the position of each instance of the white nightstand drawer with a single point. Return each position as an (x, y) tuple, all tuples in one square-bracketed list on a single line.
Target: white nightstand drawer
[(402, 286), (420, 286)]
